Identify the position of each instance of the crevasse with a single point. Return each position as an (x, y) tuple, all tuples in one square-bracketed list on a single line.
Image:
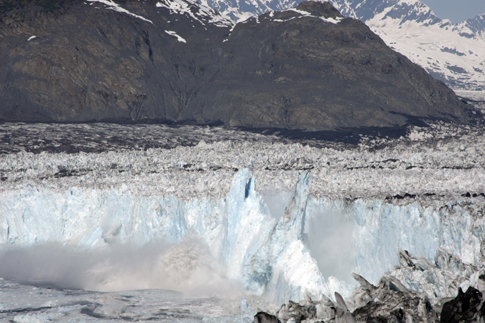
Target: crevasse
[(280, 258)]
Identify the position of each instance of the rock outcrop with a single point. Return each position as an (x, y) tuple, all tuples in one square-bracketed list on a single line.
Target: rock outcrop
[(465, 307), (263, 317), (307, 68)]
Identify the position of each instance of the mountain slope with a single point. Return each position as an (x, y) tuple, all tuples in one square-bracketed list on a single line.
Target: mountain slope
[(177, 61), (473, 27), (449, 52)]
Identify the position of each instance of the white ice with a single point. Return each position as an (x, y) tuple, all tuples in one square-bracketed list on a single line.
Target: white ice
[(268, 255)]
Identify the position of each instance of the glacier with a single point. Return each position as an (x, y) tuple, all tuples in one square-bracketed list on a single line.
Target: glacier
[(238, 229), (280, 257), (239, 214)]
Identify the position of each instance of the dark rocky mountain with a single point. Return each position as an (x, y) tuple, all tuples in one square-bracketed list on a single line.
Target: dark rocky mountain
[(449, 52), (178, 61)]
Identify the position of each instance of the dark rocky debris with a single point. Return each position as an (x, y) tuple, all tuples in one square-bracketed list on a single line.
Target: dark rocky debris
[(263, 317), (307, 310), (390, 301), (284, 70), (466, 307)]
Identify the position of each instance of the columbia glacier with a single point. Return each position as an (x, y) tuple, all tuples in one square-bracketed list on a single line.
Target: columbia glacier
[(270, 256), (279, 220), (266, 255)]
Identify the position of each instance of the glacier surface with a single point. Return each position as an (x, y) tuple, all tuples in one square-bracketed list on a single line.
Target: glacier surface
[(266, 255), (182, 217)]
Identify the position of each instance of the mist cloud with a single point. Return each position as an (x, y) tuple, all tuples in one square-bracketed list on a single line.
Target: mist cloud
[(187, 267), (329, 238)]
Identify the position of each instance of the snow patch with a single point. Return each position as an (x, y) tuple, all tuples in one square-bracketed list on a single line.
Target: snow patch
[(197, 11), (242, 17), (412, 29), (173, 33), (116, 7), (305, 14), (472, 95)]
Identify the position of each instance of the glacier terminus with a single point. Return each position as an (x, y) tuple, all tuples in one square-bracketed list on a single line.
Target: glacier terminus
[(248, 219)]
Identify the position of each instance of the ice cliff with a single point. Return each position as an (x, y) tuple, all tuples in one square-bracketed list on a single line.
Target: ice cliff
[(268, 256), (281, 256)]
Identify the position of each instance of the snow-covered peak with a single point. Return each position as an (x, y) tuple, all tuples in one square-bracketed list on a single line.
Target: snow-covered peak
[(197, 11), (298, 13), (448, 52), (472, 27), (243, 9), (414, 11), (404, 10)]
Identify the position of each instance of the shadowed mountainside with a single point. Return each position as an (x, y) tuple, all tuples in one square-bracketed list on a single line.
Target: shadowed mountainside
[(307, 68)]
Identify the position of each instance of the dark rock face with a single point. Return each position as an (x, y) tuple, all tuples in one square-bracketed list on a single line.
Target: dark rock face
[(466, 307), (291, 69), (262, 317)]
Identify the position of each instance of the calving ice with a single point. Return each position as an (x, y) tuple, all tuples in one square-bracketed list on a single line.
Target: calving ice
[(266, 255), (280, 256)]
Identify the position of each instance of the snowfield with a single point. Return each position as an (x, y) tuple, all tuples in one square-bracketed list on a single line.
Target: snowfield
[(449, 52)]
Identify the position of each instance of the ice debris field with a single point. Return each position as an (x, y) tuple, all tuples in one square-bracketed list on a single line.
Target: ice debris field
[(242, 218)]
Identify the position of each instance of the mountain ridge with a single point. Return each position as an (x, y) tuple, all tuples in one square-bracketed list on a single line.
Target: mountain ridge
[(306, 68), (450, 52)]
